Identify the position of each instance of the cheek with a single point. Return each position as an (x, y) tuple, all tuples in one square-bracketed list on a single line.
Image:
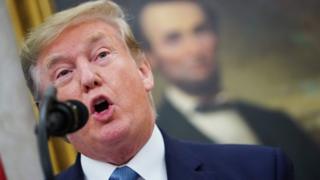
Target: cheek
[(208, 49), (166, 53), (209, 44), (129, 83), (45, 82), (170, 59), (175, 55), (70, 91)]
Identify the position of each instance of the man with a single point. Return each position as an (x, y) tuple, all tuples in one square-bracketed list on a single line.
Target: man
[(89, 54), (181, 39)]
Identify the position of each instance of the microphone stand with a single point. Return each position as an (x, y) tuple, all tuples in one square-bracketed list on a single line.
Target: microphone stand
[(42, 135)]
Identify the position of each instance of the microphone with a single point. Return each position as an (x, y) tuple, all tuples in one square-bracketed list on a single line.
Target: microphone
[(62, 118), (66, 117), (57, 119)]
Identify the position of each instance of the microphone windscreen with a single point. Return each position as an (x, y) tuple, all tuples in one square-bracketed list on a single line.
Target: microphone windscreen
[(81, 113)]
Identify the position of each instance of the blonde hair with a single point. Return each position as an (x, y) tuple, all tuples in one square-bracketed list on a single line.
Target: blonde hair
[(46, 33)]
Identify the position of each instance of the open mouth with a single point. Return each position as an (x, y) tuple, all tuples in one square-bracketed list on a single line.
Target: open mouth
[(100, 104)]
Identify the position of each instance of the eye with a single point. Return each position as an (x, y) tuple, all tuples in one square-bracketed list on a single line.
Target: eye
[(173, 38), (63, 72), (103, 55)]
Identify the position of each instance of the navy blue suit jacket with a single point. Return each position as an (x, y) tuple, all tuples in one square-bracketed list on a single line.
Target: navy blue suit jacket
[(190, 161), (272, 128)]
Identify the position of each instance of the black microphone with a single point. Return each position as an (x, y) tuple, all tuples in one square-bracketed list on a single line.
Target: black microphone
[(61, 118), (66, 117)]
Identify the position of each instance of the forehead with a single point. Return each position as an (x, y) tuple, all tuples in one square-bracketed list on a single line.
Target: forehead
[(171, 16), (81, 35)]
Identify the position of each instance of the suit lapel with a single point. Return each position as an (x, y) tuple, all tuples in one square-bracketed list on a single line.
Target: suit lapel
[(77, 171), (259, 121), (181, 163), (74, 172)]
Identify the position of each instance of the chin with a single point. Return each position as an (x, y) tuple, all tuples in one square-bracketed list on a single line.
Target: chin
[(114, 132)]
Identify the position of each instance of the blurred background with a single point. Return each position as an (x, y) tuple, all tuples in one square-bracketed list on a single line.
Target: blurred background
[(269, 52)]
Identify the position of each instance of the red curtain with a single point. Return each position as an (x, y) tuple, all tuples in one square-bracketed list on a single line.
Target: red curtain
[(2, 175)]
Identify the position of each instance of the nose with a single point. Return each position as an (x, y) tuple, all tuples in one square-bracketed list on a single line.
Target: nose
[(192, 46), (89, 77)]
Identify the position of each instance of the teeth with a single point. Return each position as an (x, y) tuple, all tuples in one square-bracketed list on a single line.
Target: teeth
[(100, 101)]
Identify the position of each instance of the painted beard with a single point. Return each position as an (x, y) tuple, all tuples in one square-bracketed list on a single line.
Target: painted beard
[(206, 87)]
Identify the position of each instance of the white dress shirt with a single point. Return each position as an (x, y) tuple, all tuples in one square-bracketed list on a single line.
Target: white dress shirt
[(223, 126), (149, 162)]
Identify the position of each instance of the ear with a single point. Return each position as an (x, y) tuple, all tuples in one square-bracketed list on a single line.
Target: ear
[(146, 73)]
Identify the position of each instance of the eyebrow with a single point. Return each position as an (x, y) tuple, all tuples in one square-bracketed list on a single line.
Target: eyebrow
[(56, 58), (94, 38), (202, 26)]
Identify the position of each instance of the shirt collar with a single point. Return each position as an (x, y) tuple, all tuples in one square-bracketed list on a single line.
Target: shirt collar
[(180, 99), (149, 162), (187, 103)]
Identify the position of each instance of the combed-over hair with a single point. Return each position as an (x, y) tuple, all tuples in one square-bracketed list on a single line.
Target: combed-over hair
[(46, 33)]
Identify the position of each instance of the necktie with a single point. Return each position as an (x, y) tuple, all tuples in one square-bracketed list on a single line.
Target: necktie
[(124, 173)]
